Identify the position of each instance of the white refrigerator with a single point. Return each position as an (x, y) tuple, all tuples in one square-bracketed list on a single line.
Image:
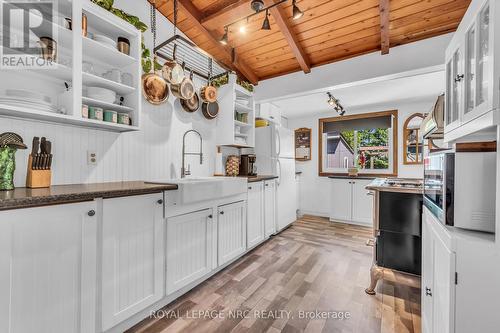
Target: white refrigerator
[(274, 149)]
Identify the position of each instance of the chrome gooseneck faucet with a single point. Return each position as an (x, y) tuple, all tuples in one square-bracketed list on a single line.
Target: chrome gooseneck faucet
[(186, 172)]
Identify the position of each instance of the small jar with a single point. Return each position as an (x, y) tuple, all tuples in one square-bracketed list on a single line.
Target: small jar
[(95, 113), (123, 45), (110, 116), (85, 111), (123, 119)]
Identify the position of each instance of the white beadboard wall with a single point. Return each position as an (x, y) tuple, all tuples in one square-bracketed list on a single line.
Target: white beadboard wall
[(152, 153)]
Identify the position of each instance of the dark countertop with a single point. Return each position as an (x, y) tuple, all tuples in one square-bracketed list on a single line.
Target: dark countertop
[(349, 177), (260, 178), (60, 194)]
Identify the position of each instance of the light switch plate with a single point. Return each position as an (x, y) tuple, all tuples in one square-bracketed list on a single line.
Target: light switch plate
[(91, 157)]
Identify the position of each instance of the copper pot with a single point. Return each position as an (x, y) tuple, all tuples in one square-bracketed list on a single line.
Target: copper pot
[(172, 72), (185, 89), (154, 88), (208, 93)]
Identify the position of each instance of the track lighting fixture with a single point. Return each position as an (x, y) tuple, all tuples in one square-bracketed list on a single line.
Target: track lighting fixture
[(266, 25), (258, 7), (225, 38), (335, 103), (296, 12)]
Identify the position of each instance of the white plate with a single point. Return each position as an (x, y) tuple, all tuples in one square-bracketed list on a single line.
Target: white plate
[(27, 94), (105, 40), (22, 100), (31, 106)]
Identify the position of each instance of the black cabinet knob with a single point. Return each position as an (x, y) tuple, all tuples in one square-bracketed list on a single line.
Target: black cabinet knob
[(221, 213), (160, 202), (91, 212), (249, 187), (210, 216), (428, 291)]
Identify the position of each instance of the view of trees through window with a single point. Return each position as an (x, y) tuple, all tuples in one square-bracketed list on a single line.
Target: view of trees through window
[(369, 147)]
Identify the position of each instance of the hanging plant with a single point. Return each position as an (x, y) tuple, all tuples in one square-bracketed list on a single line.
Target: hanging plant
[(136, 22)]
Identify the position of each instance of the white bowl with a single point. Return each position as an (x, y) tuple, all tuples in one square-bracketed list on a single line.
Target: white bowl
[(105, 40), (101, 94)]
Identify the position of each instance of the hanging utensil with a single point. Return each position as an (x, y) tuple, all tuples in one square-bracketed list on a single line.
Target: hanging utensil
[(210, 110), (171, 70), (154, 87), (185, 89), (191, 104), (208, 93)]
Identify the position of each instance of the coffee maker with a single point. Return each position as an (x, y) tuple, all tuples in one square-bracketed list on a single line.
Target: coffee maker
[(247, 165)]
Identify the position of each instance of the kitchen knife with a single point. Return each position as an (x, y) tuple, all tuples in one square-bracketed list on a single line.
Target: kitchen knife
[(34, 152), (43, 155), (49, 155)]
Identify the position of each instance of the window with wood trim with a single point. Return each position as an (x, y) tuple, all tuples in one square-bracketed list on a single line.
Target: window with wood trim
[(368, 142)]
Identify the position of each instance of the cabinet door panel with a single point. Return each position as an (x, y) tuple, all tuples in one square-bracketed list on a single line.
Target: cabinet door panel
[(255, 222), (443, 293), (427, 275), (44, 285), (270, 208), (362, 203), (231, 231), (189, 244), (132, 258), (341, 203)]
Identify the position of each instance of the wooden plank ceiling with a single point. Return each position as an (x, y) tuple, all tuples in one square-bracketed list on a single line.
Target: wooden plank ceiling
[(330, 30)]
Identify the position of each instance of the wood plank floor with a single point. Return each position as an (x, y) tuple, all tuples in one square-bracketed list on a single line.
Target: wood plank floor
[(313, 268)]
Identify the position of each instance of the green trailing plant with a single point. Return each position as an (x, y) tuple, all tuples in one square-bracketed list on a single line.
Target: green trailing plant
[(136, 22), (224, 79)]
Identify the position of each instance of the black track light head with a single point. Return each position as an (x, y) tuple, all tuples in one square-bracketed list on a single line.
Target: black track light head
[(296, 12), (266, 25)]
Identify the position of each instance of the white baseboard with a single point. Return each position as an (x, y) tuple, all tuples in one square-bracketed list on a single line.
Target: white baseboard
[(352, 222), (309, 212)]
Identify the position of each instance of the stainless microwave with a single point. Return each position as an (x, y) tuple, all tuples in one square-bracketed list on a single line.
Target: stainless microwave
[(460, 189)]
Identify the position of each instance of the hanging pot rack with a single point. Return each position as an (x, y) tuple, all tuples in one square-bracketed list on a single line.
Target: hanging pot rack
[(195, 59)]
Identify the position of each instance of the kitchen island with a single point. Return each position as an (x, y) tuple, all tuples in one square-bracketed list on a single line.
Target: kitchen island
[(397, 227)]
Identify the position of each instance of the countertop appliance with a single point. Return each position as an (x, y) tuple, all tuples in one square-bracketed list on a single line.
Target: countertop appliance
[(432, 126), (247, 165), (459, 188), (274, 149)]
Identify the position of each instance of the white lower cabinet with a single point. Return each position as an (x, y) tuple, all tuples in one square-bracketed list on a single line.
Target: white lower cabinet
[(438, 282), (231, 231), (350, 202), (189, 248), (270, 207), (132, 256), (255, 211), (48, 269)]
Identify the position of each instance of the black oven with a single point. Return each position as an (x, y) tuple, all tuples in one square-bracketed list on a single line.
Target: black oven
[(439, 174)]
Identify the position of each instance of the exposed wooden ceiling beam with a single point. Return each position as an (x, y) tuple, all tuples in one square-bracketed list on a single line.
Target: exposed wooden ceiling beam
[(384, 26), (280, 18), (195, 16)]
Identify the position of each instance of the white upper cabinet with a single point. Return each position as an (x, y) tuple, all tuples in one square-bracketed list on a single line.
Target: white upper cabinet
[(132, 256), (270, 112), (48, 269), (473, 72), (236, 119)]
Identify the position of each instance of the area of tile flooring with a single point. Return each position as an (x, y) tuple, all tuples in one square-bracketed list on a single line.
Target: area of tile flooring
[(303, 280)]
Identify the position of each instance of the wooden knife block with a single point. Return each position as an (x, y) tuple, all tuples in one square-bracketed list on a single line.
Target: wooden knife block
[(37, 178)]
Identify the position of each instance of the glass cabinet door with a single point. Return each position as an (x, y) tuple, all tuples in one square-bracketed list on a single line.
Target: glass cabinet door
[(482, 59), (470, 70), (456, 96)]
